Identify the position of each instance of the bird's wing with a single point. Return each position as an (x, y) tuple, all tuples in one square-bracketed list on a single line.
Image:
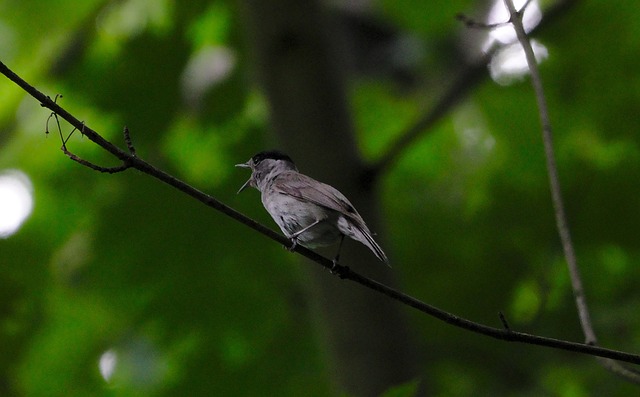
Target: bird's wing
[(306, 188), (302, 187)]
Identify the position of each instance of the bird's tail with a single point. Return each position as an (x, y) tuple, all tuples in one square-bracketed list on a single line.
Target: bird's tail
[(368, 240)]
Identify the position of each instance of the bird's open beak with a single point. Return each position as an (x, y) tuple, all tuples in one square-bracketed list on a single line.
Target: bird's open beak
[(248, 182), (244, 186)]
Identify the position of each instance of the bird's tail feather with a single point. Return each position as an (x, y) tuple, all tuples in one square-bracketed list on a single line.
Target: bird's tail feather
[(373, 246)]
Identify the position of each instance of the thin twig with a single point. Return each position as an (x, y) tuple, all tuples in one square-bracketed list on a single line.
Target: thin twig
[(556, 194), (127, 141), (504, 322), (341, 271), (472, 23), (95, 167), (79, 160)]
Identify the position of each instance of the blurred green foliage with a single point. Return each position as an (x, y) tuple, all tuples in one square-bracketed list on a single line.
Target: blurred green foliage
[(187, 302)]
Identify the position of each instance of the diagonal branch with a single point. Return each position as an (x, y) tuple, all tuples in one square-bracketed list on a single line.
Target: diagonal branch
[(556, 194), (129, 158), (468, 79), (463, 84)]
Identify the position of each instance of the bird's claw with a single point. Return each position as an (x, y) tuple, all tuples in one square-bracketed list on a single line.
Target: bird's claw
[(334, 266), (339, 270), (294, 244)]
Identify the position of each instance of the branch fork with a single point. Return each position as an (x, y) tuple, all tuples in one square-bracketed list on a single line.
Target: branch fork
[(126, 163)]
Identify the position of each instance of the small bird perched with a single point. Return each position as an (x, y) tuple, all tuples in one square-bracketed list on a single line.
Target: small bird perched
[(310, 213)]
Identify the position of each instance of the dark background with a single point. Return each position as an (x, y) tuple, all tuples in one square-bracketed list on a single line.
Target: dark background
[(191, 303)]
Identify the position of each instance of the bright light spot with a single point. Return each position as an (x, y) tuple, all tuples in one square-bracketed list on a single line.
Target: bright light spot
[(475, 138), (505, 34), (210, 66), (510, 62), (135, 364), (130, 18), (107, 364), (16, 201)]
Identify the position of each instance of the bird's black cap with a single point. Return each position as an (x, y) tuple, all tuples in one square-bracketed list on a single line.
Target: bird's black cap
[(271, 154)]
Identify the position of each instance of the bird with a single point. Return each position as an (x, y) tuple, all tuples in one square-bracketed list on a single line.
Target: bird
[(310, 213)]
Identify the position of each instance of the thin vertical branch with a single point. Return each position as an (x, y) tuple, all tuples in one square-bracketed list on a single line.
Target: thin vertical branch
[(552, 170), (556, 195)]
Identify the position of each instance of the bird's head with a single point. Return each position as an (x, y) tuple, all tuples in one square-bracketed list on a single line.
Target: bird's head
[(264, 166)]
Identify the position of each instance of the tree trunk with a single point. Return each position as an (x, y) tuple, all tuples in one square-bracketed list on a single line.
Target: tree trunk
[(298, 62)]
